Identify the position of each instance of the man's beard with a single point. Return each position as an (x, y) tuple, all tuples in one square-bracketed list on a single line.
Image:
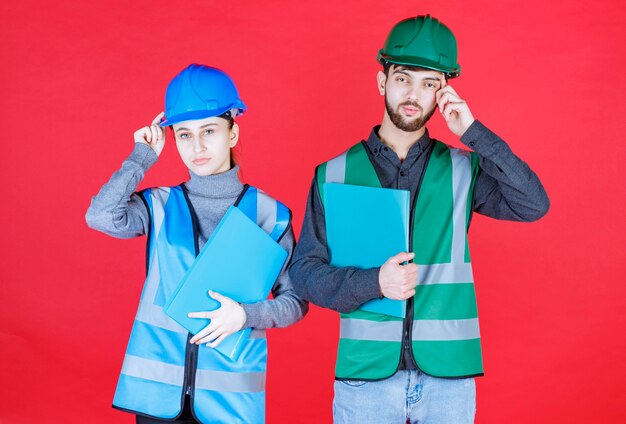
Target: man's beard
[(408, 126)]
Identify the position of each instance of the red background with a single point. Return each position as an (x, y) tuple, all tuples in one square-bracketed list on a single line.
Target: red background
[(77, 78)]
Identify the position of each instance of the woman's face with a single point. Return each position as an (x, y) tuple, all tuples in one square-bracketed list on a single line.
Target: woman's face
[(204, 144)]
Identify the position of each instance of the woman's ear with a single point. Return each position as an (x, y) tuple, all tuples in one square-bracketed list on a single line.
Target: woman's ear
[(234, 135)]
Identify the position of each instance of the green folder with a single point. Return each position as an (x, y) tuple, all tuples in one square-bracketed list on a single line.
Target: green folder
[(240, 261), (365, 226)]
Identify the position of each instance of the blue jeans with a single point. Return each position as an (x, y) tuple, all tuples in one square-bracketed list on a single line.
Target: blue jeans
[(406, 397)]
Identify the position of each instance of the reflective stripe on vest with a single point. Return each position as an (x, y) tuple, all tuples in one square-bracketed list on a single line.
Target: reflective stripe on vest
[(445, 334), (423, 330), (221, 381), (153, 372)]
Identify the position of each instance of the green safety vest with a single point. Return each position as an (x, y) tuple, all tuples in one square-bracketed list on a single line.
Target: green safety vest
[(444, 334)]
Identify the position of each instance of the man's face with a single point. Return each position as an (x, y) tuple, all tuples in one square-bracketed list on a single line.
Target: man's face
[(409, 95)]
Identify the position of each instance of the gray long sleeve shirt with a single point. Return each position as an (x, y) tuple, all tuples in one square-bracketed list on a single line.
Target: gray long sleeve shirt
[(505, 188), (118, 211)]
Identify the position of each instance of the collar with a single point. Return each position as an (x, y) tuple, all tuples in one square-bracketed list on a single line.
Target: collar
[(377, 147), (225, 184)]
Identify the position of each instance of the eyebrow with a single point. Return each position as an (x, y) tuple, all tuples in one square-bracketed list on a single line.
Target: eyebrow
[(400, 71), (405, 71), (204, 126)]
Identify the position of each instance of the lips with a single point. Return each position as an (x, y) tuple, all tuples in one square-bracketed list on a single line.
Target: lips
[(411, 110), (201, 161)]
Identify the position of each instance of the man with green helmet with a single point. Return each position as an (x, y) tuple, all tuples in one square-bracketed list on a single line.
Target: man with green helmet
[(420, 368)]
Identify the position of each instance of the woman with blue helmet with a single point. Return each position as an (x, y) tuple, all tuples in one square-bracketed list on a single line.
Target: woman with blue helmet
[(168, 374)]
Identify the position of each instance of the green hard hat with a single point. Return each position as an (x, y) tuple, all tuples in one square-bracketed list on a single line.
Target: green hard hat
[(422, 41)]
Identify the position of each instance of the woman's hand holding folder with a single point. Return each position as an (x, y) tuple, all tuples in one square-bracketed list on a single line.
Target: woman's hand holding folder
[(225, 320)]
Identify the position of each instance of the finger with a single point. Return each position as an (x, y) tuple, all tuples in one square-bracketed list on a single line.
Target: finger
[(148, 135), (410, 283), (450, 97), (161, 133), (411, 276), (155, 135), (214, 335), (217, 341), (444, 82), (446, 88), (207, 334), (142, 134), (408, 293), (451, 108), (156, 120), (202, 314), (410, 279), (203, 333), (451, 90), (396, 295), (402, 257), (441, 101), (411, 267), (215, 295), (443, 90), (447, 113), (439, 93), (445, 99), (409, 270)]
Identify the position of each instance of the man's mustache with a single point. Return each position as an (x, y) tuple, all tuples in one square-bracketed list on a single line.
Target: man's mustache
[(412, 104)]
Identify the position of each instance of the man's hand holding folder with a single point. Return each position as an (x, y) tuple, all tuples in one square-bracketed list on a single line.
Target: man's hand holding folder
[(397, 278)]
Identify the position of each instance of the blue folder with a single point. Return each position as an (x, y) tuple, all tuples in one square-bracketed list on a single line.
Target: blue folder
[(240, 261), (365, 226)]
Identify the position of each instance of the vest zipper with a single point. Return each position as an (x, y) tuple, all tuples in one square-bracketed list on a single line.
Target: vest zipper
[(190, 365), (410, 308), (407, 325), (191, 352), (408, 329)]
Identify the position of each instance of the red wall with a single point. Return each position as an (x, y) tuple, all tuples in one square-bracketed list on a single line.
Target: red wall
[(77, 78)]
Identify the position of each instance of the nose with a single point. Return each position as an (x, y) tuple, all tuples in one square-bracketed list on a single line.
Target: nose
[(413, 92), (198, 146)]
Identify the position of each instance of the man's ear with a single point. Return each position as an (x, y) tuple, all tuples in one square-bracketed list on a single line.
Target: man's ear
[(234, 135), (381, 78)]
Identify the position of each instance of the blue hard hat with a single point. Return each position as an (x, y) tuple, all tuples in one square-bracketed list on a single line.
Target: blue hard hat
[(200, 92)]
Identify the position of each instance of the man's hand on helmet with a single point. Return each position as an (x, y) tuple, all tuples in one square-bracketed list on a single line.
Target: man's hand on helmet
[(454, 109)]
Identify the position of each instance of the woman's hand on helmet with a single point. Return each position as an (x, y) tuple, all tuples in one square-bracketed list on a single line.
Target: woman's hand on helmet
[(225, 320), (153, 136)]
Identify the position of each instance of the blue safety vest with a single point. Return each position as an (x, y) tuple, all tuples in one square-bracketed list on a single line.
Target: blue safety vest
[(160, 365)]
